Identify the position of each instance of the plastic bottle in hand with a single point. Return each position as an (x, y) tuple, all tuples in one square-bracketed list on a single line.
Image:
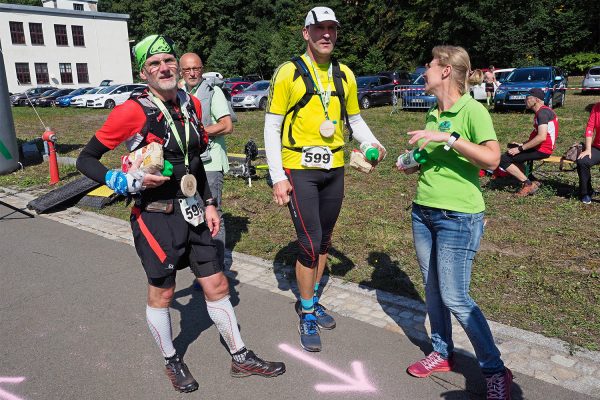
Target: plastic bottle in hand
[(412, 159), (370, 152)]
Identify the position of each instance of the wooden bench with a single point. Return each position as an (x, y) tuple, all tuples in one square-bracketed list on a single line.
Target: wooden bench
[(529, 168)]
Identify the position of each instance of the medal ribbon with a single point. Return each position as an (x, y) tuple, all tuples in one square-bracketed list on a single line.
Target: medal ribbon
[(324, 94), (173, 127)]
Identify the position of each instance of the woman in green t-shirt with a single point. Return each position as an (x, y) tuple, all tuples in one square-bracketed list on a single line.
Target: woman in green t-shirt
[(447, 215)]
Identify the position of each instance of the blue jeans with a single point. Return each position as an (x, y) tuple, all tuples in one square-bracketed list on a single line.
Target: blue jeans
[(446, 243)]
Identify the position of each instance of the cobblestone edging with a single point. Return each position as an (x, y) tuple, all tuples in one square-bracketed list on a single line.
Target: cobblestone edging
[(550, 360)]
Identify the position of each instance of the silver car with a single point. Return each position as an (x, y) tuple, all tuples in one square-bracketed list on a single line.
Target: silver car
[(591, 82), (255, 96)]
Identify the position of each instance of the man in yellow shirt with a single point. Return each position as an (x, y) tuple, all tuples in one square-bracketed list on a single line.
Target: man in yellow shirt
[(310, 99)]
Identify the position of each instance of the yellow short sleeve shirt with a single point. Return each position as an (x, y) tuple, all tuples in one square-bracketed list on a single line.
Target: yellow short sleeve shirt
[(285, 92)]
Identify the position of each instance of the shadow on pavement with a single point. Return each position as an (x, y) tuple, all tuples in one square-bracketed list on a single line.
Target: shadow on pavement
[(194, 318), (474, 387), (389, 277)]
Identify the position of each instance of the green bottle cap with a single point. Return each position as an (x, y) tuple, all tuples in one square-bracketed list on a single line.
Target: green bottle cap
[(372, 154), (420, 156), (167, 169)]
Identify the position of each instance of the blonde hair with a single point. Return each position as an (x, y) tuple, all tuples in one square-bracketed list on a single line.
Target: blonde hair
[(458, 58)]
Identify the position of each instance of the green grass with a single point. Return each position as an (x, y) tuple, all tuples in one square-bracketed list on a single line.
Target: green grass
[(539, 263)]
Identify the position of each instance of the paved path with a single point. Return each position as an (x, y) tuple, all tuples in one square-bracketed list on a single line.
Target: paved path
[(57, 299)]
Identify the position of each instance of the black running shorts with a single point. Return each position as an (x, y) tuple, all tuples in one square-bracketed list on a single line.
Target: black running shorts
[(315, 204), (166, 243)]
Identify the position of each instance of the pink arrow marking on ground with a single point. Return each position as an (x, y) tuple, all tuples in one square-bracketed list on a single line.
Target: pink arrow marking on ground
[(6, 379), (356, 383)]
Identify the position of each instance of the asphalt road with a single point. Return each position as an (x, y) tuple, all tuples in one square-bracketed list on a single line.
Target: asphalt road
[(72, 314)]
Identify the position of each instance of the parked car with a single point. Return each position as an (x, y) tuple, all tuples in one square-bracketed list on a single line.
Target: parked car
[(106, 82), (235, 87), (398, 77), (81, 100), (591, 81), (374, 90), (512, 92), (32, 100), (413, 96), (20, 99), (255, 96), (478, 91), (137, 92), (50, 100), (65, 101), (111, 96)]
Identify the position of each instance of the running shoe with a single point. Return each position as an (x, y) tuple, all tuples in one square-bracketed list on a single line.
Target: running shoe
[(430, 364), (324, 319), (587, 199), (179, 374), (253, 365), (498, 385), (309, 333), (526, 189)]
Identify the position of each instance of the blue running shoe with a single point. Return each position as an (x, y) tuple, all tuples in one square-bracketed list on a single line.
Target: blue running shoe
[(309, 333), (324, 320), (587, 199)]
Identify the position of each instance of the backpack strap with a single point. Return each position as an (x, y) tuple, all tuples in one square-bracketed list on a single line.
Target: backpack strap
[(301, 71), (338, 76), (154, 121)]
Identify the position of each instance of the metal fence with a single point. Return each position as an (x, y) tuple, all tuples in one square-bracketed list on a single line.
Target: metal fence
[(411, 97)]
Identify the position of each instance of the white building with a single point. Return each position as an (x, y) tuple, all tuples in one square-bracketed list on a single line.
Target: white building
[(64, 44)]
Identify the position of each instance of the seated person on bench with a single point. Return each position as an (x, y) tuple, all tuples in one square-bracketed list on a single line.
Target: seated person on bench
[(540, 144), (590, 155)]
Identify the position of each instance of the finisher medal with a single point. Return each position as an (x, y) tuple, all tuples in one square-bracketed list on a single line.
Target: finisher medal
[(188, 185), (327, 128)]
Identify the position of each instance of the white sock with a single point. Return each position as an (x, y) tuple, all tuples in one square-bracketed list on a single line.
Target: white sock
[(222, 314), (159, 322)]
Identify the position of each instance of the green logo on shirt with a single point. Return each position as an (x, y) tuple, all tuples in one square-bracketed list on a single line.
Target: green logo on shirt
[(445, 126)]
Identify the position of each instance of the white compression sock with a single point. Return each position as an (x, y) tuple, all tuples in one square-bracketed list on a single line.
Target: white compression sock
[(222, 314), (159, 322)]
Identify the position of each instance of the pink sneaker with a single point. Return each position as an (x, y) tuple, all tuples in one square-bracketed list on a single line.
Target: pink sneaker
[(498, 385), (430, 364)]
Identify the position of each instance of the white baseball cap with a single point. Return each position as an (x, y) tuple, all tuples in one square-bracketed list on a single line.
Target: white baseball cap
[(320, 14)]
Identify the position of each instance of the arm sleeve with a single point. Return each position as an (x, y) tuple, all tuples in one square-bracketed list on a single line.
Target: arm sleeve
[(361, 131), (272, 135), (591, 125), (88, 162)]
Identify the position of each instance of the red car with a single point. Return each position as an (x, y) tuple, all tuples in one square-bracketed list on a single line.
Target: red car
[(236, 87)]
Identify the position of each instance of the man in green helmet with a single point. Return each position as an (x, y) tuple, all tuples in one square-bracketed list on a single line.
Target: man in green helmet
[(174, 217)]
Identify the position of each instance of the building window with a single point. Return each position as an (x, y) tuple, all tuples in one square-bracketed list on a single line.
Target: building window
[(17, 34), (36, 33), (23, 73), (66, 74), (60, 32), (82, 73), (78, 39), (77, 6), (41, 73)]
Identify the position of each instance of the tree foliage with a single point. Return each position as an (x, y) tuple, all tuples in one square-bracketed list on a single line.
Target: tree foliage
[(241, 37)]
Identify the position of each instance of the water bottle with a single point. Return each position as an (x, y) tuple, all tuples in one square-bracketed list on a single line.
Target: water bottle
[(412, 158), (370, 152)]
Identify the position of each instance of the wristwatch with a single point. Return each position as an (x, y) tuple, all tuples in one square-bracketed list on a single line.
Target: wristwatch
[(453, 138), (210, 202)]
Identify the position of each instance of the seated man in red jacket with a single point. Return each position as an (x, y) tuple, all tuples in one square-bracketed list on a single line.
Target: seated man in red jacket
[(540, 144), (590, 155)]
